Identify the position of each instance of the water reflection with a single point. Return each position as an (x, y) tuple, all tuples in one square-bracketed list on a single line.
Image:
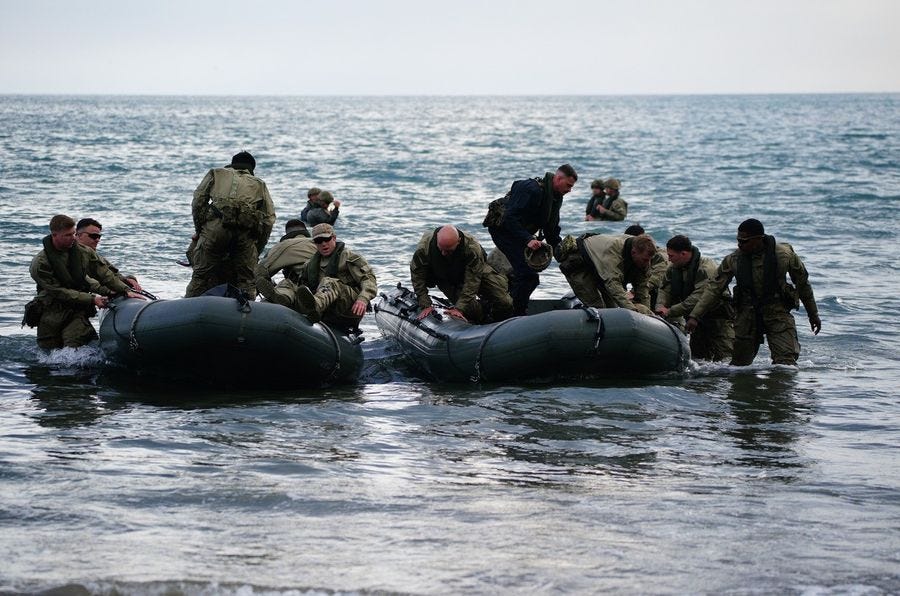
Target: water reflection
[(770, 415), (67, 398)]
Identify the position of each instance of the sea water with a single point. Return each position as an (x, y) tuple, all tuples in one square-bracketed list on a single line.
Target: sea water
[(759, 479)]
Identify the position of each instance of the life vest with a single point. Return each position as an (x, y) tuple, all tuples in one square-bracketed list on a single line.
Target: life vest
[(745, 290), (68, 267), (682, 288)]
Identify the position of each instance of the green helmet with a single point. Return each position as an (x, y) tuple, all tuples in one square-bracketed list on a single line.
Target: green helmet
[(612, 183), (539, 259)]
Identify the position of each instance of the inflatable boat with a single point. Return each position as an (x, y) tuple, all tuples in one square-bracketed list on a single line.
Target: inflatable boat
[(558, 338), (227, 341)]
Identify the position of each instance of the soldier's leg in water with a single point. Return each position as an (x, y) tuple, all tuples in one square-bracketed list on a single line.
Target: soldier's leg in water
[(745, 344), (781, 333)]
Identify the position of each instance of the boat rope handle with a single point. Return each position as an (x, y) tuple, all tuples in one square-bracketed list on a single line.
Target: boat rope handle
[(132, 332), (675, 333), (337, 352), (477, 376)]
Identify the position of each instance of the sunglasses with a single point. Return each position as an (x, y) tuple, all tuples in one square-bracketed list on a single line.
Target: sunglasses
[(322, 240), (94, 236), (747, 239)]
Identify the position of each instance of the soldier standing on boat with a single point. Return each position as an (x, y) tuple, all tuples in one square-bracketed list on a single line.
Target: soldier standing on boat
[(599, 266), (233, 217), (685, 281), (456, 263), (65, 272), (763, 299), (530, 207)]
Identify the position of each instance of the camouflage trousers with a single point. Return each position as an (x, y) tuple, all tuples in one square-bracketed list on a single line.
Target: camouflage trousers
[(780, 332), (585, 282), (64, 327), (712, 340), (492, 300), (223, 255)]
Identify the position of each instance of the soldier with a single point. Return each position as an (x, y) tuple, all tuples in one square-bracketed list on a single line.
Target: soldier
[(233, 216), (457, 264), (320, 208), (605, 203), (530, 207), (336, 284), (762, 298), (658, 264), (289, 256), (684, 283), (598, 267), (88, 233), (64, 271)]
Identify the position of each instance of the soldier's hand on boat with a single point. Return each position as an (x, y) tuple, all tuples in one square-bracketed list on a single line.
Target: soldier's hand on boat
[(101, 301), (135, 295), (358, 308), (662, 311), (425, 312), (690, 324), (644, 310), (815, 323), (456, 314), (133, 282)]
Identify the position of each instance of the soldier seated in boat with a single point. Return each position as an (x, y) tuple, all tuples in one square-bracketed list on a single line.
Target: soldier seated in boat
[(88, 233), (336, 284), (289, 256), (599, 266), (64, 271), (457, 264), (685, 280)]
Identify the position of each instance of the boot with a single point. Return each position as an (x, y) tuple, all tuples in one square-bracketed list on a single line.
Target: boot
[(306, 304)]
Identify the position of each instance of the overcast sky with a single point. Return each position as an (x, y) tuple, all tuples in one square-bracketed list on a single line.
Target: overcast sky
[(453, 47)]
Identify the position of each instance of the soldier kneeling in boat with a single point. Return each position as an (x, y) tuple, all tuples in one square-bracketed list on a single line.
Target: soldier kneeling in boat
[(457, 264), (335, 285), (599, 266)]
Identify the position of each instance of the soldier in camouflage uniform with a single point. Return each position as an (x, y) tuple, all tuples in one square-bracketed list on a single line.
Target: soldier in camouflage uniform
[(233, 215), (289, 256), (336, 284), (456, 263), (605, 203), (762, 298), (88, 233), (64, 271), (683, 284), (598, 267)]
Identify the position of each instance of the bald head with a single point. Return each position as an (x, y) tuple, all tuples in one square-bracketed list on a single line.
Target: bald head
[(447, 240)]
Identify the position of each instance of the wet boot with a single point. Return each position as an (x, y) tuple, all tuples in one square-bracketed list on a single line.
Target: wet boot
[(307, 304)]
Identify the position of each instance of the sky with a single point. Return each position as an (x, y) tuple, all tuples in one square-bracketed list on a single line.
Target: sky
[(455, 47)]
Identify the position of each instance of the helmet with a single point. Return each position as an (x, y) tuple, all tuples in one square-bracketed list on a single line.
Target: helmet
[(539, 259), (611, 183)]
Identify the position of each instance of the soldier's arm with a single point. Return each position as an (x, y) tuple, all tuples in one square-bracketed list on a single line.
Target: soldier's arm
[(617, 211), (98, 270), (800, 277), (267, 219), (471, 279), (200, 204), (715, 287), (662, 295), (684, 308), (641, 290), (364, 276), (418, 272), (520, 198)]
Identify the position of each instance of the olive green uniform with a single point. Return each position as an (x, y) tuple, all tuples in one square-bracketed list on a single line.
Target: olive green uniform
[(68, 303), (768, 315), (233, 215), (617, 210), (98, 288), (288, 256), (599, 270), (658, 266), (337, 281), (714, 337), (464, 277)]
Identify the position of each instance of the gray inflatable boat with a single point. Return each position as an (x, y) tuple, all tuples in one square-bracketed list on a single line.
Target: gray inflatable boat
[(228, 341), (559, 338)]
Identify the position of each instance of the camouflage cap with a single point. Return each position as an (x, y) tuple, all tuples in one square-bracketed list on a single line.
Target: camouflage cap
[(322, 230), (539, 259), (598, 183), (313, 192), (612, 183), (326, 197)]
